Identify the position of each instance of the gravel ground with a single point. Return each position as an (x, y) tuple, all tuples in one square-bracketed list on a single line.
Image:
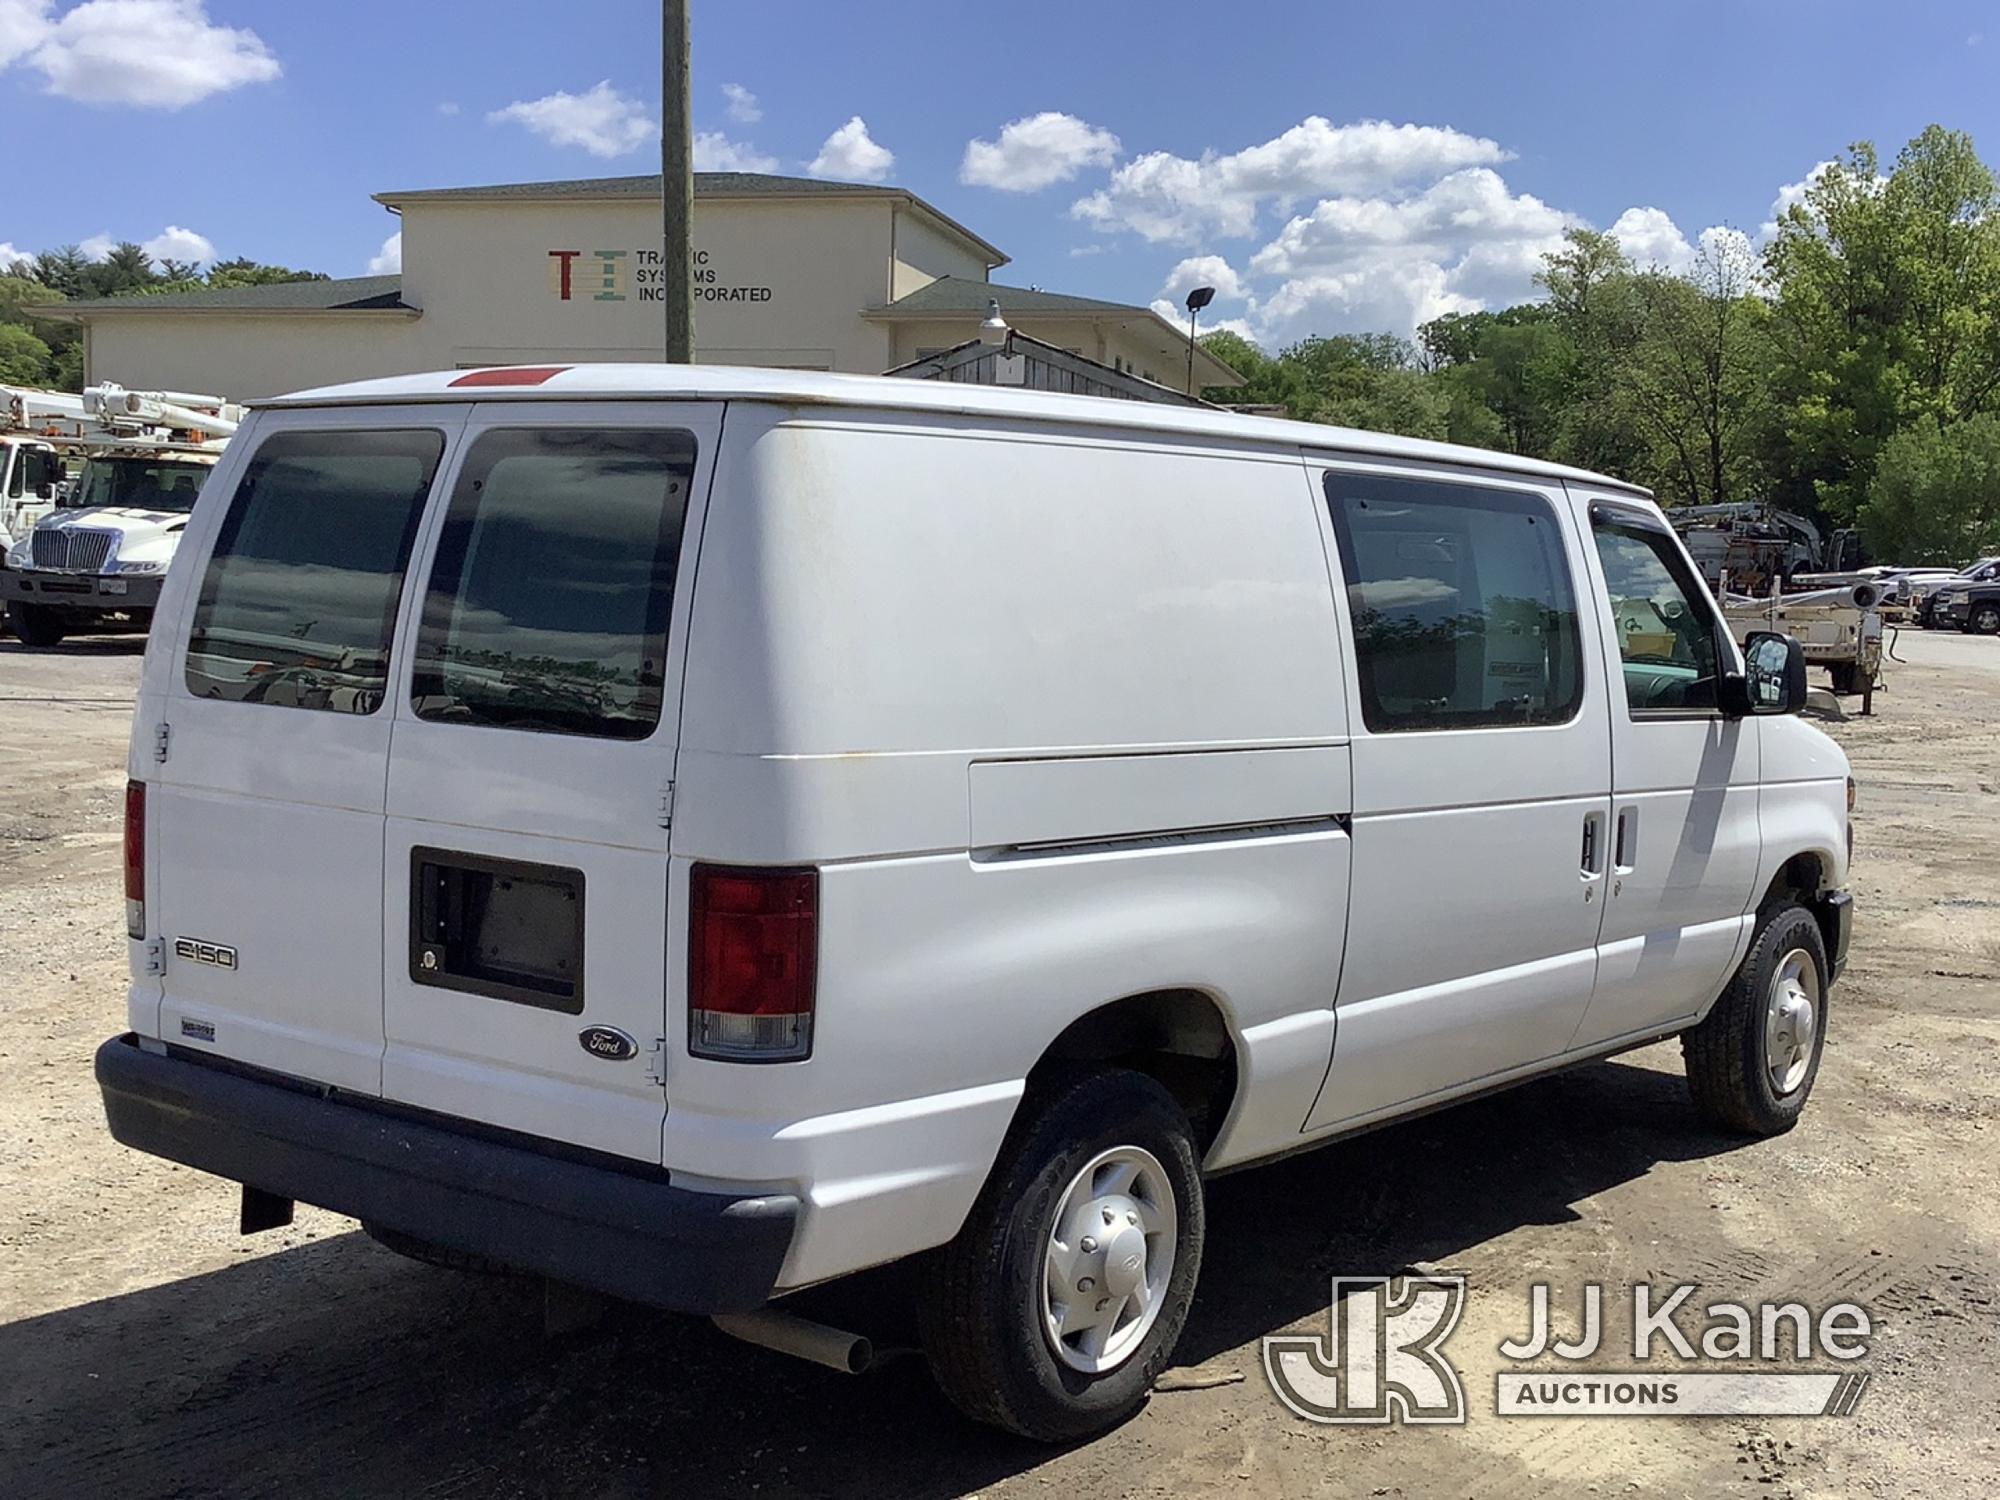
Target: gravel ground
[(146, 1349)]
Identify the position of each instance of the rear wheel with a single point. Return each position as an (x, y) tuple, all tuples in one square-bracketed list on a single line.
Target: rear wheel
[(1752, 1062), (1065, 1292), (1846, 678), (36, 624), (1985, 620)]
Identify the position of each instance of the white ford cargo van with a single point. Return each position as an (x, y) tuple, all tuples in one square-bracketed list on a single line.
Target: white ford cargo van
[(696, 833)]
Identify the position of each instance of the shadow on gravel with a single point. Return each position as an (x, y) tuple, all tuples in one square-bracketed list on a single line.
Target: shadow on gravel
[(89, 645), (336, 1368)]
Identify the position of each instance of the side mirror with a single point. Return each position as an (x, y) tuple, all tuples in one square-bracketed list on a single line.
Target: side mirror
[(44, 472), (1773, 680)]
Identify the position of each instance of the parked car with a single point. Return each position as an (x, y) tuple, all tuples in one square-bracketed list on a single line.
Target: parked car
[(696, 859), (1972, 606), (1925, 600)]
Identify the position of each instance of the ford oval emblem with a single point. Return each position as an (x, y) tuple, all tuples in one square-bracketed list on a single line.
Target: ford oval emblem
[(607, 1042)]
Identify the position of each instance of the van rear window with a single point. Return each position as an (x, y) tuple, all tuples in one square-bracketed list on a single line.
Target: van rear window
[(299, 600), (554, 580)]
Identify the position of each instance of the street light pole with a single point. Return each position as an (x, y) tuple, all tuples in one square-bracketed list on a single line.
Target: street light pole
[(1197, 299), (676, 283)]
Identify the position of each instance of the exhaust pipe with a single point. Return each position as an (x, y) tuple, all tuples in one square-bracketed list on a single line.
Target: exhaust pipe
[(837, 1349)]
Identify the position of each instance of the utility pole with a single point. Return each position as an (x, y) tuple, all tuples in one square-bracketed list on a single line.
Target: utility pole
[(676, 184)]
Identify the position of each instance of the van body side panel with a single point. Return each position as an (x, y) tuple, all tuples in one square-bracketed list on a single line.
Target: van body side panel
[(1478, 914), (1059, 719), (266, 817)]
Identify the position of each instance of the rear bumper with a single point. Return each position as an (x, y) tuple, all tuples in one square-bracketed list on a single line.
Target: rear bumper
[(629, 1233)]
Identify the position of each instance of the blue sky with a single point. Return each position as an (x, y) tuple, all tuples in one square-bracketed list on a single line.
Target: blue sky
[(1164, 144)]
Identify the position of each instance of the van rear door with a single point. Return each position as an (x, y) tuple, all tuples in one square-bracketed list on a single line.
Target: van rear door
[(267, 809), (525, 869)]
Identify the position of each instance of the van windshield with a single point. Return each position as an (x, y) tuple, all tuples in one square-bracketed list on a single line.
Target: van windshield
[(142, 484)]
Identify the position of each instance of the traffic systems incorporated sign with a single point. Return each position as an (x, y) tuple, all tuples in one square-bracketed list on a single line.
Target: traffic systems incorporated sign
[(636, 275)]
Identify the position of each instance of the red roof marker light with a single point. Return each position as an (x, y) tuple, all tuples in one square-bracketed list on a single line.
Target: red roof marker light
[(510, 375)]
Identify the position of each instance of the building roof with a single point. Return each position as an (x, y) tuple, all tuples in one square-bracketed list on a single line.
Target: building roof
[(660, 382), (952, 297), (352, 294), (1044, 367), (706, 185)]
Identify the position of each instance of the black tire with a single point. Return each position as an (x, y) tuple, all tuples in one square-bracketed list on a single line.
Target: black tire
[(1846, 678), (442, 1256), (1984, 619), (980, 1297), (1726, 1055), (35, 624)]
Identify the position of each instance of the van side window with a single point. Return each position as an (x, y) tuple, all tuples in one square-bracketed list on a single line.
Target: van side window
[(1666, 632), (299, 601), (554, 580), (1463, 612)]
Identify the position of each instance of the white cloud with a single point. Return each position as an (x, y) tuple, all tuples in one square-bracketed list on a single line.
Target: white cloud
[(600, 119), (1035, 151), (8, 255), (1653, 240), (98, 247), (715, 152), (850, 155), (155, 54), (1392, 263), (448, 107), (23, 24), (1177, 314), (1789, 194), (1095, 247), (1204, 270), (176, 243), (388, 261), (743, 106), (1166, 197)]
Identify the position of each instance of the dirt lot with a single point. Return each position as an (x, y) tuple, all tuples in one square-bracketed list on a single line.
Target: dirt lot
[(146, 1350)]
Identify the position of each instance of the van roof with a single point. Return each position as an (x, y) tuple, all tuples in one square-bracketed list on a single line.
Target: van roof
[(663, 382)]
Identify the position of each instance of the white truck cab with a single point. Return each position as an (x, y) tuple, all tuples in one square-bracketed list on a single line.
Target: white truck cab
[(31, 471), (696, 833)]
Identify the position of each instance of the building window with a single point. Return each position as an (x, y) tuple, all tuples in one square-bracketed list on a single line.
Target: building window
[(554, 580), (1463, 611)]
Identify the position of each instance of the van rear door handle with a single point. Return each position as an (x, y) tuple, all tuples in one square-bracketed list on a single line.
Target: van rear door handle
[(1625, 840)]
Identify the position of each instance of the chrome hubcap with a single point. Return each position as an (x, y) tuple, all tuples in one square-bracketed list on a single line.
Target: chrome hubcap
[(1791, 1021), (1109, 1257)]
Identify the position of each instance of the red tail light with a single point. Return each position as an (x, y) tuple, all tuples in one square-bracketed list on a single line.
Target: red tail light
[(135, 858), (753, 942)]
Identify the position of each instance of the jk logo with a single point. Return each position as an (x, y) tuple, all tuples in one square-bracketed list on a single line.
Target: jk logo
[(1381, 1361)]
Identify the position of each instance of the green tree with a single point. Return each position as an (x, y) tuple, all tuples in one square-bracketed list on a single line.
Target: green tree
[(1935, 497), (243, 272), (24, 359), (1694, 382), (1887, 307)]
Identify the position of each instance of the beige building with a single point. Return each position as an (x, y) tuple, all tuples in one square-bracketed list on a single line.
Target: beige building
[(787, 271)]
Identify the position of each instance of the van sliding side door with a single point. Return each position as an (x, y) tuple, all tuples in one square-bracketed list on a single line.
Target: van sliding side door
[(1481, 778)]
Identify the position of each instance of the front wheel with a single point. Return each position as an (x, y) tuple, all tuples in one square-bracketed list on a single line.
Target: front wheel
[(35, 624), (1065, 1292), (1985, 620), (1752, 1062)]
